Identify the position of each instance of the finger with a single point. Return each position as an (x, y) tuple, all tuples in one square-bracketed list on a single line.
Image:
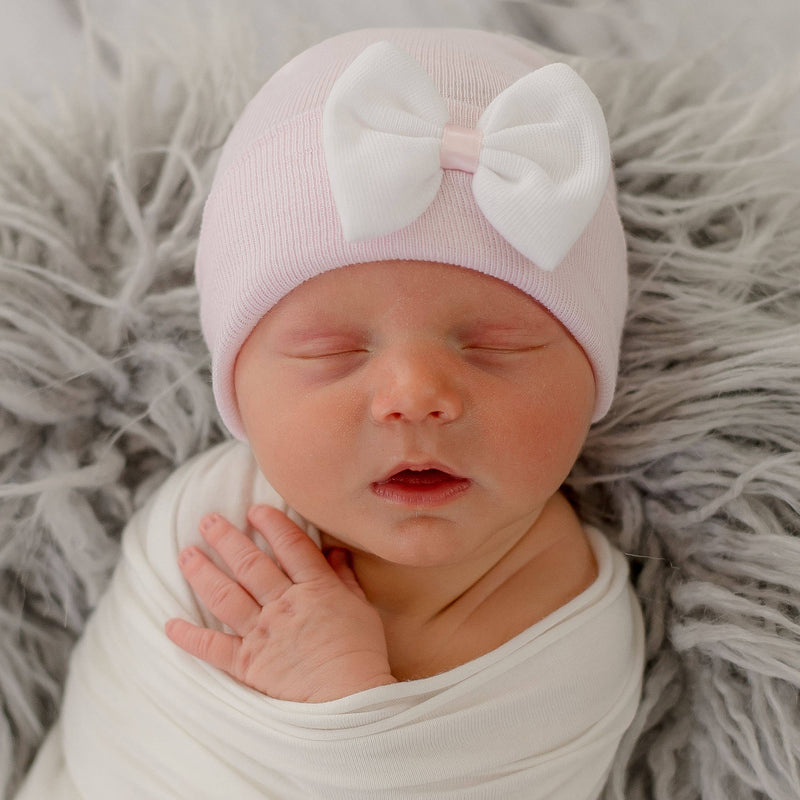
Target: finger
[(300, 558), (223, 597), (214, 647), (340, 564), (253, 568)]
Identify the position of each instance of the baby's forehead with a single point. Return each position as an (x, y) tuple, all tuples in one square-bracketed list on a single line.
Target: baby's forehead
[(429, 280), (413, 289), (421, 281)]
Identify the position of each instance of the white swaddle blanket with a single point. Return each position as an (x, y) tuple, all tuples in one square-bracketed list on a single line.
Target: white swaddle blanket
[(539, 717)]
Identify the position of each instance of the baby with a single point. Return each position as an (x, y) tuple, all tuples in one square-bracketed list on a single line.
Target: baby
[(413, 279), (414, 305)]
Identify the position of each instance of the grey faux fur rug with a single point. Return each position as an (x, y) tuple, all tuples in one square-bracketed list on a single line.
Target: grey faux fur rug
[(695, 472)]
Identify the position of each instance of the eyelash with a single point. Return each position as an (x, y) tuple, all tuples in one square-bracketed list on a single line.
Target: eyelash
[(313, 356), (508, 350)]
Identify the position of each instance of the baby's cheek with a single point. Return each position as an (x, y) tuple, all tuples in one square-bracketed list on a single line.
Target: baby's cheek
[(547, 432), (302, 451)]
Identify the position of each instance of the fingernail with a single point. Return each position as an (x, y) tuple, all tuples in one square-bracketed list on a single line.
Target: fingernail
[(207, 521), (257, 513), (186, 556)]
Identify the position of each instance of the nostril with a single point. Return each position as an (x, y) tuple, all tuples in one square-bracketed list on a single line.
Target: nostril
[(425, 393), (413, 415)]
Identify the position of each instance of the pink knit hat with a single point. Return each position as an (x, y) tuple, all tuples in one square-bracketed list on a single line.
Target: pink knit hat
[(451, 145)]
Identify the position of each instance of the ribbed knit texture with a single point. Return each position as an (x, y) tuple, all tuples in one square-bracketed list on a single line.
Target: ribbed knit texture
[(271, 223)]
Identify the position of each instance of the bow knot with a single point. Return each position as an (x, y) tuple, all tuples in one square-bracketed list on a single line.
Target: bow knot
[(461, 148), (540, 154)]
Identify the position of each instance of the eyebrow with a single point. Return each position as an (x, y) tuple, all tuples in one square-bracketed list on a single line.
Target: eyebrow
[(298, 334), (515, 325)]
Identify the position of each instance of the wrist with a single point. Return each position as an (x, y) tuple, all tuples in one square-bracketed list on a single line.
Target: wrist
[(328, 693)]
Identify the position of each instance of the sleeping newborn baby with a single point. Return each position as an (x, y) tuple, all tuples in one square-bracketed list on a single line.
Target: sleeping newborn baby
[(413, 280), (424, 417)]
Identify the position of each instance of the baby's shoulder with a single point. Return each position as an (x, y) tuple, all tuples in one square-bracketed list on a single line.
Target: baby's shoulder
[(226, 479)]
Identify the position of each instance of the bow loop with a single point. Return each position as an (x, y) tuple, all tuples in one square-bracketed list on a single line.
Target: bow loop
[(382, 129), (545, 162), (540, 154)]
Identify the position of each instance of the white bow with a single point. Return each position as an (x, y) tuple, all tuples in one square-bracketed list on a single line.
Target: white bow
[(540, 154)]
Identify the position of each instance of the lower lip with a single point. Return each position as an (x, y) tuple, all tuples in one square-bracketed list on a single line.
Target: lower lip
[(421, 495)]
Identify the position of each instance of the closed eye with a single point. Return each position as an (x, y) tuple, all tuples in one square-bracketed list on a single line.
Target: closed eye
[(493, 357), (329, 354)]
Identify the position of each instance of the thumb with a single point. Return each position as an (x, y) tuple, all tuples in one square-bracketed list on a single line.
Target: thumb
[(339, 560)]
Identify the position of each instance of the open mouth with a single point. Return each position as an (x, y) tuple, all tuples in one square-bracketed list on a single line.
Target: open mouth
[(423, 477), (421, 487)]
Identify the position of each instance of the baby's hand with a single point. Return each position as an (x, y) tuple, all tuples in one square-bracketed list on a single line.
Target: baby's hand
[(305, 632)]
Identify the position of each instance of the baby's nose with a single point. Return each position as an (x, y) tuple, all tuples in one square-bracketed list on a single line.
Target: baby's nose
[(414, 387)]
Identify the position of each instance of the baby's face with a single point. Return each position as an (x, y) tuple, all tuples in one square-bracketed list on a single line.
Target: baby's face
[(420, 412)]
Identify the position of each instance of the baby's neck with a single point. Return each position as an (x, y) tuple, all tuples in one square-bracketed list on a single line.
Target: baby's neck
[(413, 595), (438, 618)]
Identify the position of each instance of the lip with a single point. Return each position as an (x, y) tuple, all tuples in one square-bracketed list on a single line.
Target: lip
[(423, 494)]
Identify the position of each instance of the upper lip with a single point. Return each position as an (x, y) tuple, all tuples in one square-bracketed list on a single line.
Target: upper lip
[(417, 466)]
